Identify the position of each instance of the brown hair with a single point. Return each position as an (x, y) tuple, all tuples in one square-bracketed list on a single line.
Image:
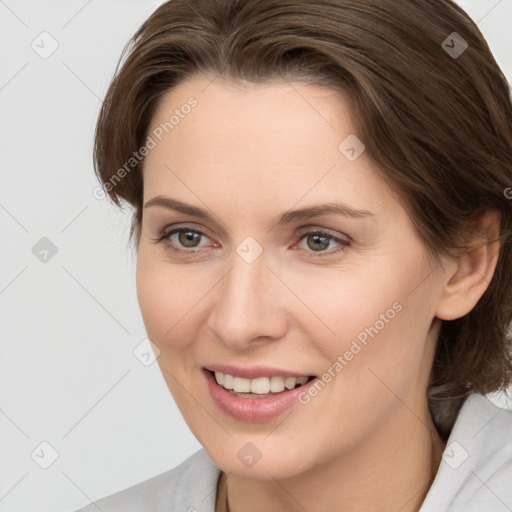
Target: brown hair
[(437, 124)]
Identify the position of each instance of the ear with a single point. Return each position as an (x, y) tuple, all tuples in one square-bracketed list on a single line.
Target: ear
[(468, 277)]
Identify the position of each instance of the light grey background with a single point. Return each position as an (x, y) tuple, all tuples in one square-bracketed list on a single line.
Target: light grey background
[(69, 325)]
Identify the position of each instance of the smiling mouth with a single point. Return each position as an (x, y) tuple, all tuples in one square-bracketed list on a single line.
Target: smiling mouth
[(261, 387)]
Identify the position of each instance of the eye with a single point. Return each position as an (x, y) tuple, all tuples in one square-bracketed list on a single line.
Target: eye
[(319, 241), (182, 237)]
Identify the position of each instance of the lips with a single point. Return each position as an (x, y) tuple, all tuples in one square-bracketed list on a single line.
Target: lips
[(254, 407)]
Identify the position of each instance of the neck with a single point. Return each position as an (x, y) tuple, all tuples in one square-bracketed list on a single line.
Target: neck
[(393, 470)]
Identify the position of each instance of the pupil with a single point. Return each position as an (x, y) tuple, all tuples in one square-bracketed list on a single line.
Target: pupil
[(187, 238), (318, 238)]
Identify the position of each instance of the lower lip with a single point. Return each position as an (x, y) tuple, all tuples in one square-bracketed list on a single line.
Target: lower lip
[(253, 410)]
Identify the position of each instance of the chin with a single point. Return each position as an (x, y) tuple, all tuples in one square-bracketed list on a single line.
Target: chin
[(245, 460)]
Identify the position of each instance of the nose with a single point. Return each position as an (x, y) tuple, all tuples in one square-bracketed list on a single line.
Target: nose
[(248, 305)]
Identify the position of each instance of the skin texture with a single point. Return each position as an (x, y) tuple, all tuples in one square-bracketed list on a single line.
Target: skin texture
[(247, 153)]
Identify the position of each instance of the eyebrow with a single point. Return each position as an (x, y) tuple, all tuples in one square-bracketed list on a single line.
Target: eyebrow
[(285, 218)]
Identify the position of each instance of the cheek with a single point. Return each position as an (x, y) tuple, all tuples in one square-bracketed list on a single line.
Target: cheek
[(165, 295), (371, 321), (346, 305)]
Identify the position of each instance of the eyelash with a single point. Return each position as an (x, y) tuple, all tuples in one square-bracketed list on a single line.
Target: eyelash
[(166, 234)]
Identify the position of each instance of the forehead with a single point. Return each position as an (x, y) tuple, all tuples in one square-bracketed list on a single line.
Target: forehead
[(235, 115), (276, 141)]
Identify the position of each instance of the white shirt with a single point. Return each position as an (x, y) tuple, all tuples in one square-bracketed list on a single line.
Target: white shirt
[(475, 473)]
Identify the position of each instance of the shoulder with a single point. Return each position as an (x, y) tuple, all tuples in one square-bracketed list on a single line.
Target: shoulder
[(189, 487), (475, 473)]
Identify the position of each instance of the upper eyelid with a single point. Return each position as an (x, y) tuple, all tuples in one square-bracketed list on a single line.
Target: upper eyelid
[(301, 230), (313, 230), (169, 229), (305, 230)]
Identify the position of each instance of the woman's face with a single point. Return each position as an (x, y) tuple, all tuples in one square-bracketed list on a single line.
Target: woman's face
[(263, 281)]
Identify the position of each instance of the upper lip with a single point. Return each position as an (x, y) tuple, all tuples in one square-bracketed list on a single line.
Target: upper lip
[(254, 372)]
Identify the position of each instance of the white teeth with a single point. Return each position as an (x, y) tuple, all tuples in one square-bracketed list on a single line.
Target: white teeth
[(258, 386), (289, 382), (227, 381), (241, 385), (276, 384)]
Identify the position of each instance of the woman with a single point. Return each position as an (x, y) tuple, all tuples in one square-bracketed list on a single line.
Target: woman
[(323, 232)]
